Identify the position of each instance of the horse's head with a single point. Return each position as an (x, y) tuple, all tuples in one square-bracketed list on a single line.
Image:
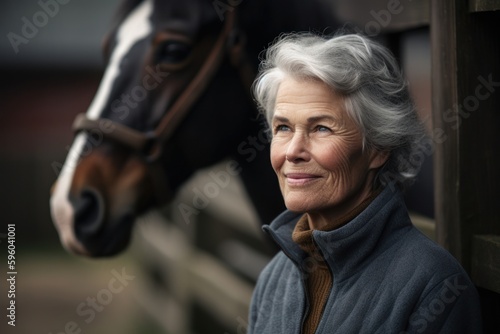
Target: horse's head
[(154, 120)]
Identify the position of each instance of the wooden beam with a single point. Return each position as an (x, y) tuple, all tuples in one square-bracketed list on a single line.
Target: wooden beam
[(466, 98), (444, 97), (382, 16), (483, 5), (486, 261)]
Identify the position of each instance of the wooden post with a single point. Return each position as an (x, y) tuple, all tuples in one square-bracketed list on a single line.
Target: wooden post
[(466, 111)]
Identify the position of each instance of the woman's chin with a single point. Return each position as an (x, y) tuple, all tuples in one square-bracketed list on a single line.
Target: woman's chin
[(297, 205)]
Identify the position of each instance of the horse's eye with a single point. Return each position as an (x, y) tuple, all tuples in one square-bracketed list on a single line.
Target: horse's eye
[(173, 52)]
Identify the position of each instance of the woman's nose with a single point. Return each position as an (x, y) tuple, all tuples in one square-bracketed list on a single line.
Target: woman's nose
[(297, 149)]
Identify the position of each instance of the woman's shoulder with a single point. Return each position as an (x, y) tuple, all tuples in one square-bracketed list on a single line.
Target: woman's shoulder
[(423, 259)]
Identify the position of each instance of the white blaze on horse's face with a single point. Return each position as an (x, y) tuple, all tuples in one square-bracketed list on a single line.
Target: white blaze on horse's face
[(134, 28)]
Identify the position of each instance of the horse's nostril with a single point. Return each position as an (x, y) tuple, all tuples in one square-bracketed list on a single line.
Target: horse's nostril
[(89, 213)]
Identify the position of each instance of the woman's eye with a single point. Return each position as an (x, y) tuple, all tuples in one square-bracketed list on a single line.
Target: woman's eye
[(281, 128), (321, 128), (173, 52)]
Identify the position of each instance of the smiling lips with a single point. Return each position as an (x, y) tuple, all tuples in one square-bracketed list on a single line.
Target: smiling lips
[(299, 179)]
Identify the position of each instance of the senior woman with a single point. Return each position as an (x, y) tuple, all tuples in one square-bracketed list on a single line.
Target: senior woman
[(343, 131)]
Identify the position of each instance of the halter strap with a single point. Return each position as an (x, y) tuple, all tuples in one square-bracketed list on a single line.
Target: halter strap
[(196, 87), (131, 138), (149, 143)]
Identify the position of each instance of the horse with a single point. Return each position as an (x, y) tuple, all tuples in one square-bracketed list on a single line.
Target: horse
[(174, 98)]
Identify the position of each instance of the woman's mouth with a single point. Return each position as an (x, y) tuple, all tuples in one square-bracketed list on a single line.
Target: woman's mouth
[(299, 179)]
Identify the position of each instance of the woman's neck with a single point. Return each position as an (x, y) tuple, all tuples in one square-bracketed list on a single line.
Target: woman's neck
[(332, 219)]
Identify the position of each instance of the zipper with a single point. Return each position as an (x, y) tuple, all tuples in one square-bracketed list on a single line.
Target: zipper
[(333, 280), (307, 305)]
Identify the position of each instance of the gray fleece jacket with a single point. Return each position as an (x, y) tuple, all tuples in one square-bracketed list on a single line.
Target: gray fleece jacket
[(387, 278)]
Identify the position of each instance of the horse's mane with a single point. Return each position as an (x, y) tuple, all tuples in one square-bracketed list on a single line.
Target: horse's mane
[(266, 20)]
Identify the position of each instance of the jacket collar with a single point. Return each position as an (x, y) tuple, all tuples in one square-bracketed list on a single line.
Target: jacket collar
[(350, 247)]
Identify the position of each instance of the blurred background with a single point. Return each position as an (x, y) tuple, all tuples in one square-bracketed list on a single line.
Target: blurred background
[(180, 283), (44, 85)]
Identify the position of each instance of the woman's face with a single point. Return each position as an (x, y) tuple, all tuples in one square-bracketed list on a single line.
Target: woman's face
[(316, 151)]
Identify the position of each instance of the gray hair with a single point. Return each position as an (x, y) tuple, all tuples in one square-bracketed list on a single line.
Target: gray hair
[(367, 75)]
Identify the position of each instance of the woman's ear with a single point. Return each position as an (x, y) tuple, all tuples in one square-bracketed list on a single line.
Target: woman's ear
[(378, 158)]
